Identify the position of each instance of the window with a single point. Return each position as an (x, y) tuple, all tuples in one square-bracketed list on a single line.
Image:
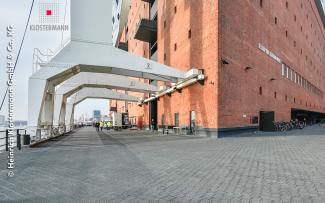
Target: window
[(254, 120), (261, 3), (261, 91), (189, 33), (175, 46), (162, 119), (176, 116), (276, 20), (287, 5), (283, 69), (300, 81), (288, 71), (175, 9), (274, 95)]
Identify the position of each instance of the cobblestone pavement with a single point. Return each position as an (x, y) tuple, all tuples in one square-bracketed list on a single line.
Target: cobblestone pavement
[(144, 167)]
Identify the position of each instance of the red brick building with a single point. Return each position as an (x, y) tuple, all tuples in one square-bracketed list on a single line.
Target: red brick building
[(264, 61)]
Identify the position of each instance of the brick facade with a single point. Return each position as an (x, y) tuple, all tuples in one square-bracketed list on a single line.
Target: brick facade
[(292, 31), (227, 44)]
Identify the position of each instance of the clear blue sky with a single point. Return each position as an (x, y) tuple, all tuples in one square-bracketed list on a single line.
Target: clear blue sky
[(15, 12)]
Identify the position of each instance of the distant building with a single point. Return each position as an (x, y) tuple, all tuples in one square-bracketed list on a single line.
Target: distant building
[(20, 124), (97, 115), (2, 120)]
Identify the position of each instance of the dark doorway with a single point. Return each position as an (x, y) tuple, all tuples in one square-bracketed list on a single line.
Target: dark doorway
[(176, 117), (153, 112), (266, 121), (192, 123), (309, 117)]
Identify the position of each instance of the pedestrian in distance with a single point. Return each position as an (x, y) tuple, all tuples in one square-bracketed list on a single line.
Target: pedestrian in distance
[(152, 124), (108, 125), (101, 125), (97, 126)]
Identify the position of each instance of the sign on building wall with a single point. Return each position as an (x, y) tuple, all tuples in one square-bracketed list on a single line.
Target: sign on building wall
[(269, 53)]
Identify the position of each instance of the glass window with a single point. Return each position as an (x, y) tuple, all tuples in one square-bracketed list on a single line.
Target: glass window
[(283, 69), (288, 71)]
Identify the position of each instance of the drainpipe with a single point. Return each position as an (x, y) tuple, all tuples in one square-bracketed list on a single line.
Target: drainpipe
[(177, 86)]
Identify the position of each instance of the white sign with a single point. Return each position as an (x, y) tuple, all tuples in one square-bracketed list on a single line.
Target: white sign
[(269, 53)]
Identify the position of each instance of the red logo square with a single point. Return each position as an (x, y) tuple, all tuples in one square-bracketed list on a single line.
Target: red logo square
[(48, 12)]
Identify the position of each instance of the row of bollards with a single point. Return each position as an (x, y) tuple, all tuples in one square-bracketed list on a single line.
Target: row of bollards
[(26, 139)]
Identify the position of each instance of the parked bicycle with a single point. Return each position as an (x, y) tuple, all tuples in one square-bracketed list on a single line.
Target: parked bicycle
[(285, 126)]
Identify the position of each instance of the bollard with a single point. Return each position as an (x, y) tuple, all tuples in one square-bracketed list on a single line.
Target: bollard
[(26, 139), (18, 140), (7, 140)]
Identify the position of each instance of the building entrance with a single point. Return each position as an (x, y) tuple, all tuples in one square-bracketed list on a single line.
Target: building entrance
[(153, 112), (267, 121), (309, 117), (192, 123)]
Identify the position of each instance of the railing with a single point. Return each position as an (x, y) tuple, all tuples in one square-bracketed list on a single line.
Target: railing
[(39, 135), (4, 138)]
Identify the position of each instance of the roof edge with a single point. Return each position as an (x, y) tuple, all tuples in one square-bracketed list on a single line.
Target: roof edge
[(320, 11)]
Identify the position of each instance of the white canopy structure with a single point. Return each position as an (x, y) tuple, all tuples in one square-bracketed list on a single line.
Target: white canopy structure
[(77, 82), (90, 50)]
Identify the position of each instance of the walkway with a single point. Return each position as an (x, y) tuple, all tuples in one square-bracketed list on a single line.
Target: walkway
[(144, 167)]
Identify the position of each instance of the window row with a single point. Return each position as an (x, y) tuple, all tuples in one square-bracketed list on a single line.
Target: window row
[(294, 99), (317, 48), (295, 77)]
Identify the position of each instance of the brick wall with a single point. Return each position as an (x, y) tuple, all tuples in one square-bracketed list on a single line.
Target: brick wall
[(245, 24), (197, 34)]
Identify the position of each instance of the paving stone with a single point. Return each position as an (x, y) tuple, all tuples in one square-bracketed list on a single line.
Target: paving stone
[(140, 166)]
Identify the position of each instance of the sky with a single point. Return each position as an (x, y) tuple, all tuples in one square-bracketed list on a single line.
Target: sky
[(15, 12)]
